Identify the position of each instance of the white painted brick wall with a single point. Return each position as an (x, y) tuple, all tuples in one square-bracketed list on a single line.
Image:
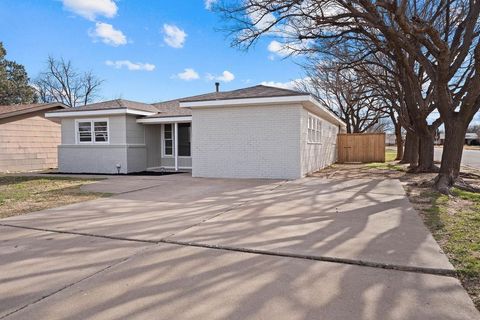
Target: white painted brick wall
[(315, 156), (247, 142)]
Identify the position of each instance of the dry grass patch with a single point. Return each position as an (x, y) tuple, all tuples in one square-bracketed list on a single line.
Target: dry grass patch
[(22, 194)]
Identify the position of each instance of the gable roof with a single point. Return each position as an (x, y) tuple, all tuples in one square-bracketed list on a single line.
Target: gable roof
[(114, 104), (19, 109), (170, 108), (259, 91)]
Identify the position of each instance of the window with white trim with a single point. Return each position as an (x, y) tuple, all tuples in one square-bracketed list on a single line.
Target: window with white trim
[(168, 139), (92, 131), (314, 134)]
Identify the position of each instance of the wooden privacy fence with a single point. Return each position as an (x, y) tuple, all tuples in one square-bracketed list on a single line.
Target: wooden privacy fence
[(361, 147)]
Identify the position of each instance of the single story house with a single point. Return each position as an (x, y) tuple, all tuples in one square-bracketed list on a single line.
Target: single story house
[(255, 132), (28, 140)]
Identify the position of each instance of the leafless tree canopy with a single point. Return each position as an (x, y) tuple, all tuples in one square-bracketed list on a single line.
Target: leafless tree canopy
[(433, 47), (60, 82), (345, 93)]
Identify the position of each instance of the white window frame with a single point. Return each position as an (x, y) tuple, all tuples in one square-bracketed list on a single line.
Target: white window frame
[(314, 129), (163, 141), (92, 124)]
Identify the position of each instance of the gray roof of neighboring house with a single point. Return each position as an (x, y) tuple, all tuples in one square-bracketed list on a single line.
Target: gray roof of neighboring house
[(259, 91), (115, 104), (18, 109)]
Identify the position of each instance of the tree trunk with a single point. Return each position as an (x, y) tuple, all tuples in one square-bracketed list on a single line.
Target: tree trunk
[(410, 154), (399, 142), (426, 153), (452, 156)]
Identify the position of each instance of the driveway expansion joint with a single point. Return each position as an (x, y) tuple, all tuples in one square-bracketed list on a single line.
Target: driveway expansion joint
[(355, 262)]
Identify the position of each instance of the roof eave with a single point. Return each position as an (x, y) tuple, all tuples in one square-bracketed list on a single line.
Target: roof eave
[(33, 109), (166, 119), (242, 101), (312, 102), (308, 101), (102, 112)]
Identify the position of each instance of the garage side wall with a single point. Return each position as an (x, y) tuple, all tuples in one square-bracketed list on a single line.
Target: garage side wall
[(28, 142), (247, 142), (318, 155)]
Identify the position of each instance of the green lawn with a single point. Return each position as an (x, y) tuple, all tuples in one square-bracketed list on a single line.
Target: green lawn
[(390, 156), (455, 223), (21, 194)]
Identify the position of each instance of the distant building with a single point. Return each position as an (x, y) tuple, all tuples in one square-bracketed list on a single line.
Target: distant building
[(471, 139), (390, 139)]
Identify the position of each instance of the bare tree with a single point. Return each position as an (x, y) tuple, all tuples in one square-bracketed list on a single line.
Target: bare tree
[(60, 82), (344, 92), (435, 41)]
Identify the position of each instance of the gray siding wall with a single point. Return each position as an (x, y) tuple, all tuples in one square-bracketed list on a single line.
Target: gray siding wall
[(247, 142), (136, 158), (117, 129), (152, 142), (315, 156), (92, 158), (135, 132), (126, 148)]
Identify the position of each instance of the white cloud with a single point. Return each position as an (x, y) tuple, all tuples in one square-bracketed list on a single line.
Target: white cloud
[(188, 74), (262, 19), (284, 50), (174, 36), (108, 34), (226, 76), (89, 9), (132, 66), (292, 85), (278, 48), (209, 4)]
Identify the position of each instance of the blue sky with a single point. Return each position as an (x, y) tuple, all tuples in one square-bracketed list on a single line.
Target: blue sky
[(149, 50)]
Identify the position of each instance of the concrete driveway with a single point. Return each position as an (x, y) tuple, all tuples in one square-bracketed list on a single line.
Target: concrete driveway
[(175, 247)]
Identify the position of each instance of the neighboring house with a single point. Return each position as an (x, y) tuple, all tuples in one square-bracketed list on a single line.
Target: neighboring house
[(471, 139), (28, 141), (256, 132)]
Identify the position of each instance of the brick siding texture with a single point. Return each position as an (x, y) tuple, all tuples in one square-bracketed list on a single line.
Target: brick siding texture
[(247, 142)]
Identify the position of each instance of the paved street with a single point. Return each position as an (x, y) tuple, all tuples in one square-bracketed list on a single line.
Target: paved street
[(176, 247), (470, 158)]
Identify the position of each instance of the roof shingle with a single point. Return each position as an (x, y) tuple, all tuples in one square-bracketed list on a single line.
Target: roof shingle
[(17, 109), (115, 104), (259, 91)]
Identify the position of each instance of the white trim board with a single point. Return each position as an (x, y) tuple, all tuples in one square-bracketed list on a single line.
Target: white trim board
[(306, 100), (178, 119), (242, 101), (105, 112)]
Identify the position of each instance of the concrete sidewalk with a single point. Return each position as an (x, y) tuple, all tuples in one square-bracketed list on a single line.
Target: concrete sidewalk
[(175, 247)]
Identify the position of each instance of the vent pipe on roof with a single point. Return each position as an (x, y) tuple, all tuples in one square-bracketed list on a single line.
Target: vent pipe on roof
[(217, 86)]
